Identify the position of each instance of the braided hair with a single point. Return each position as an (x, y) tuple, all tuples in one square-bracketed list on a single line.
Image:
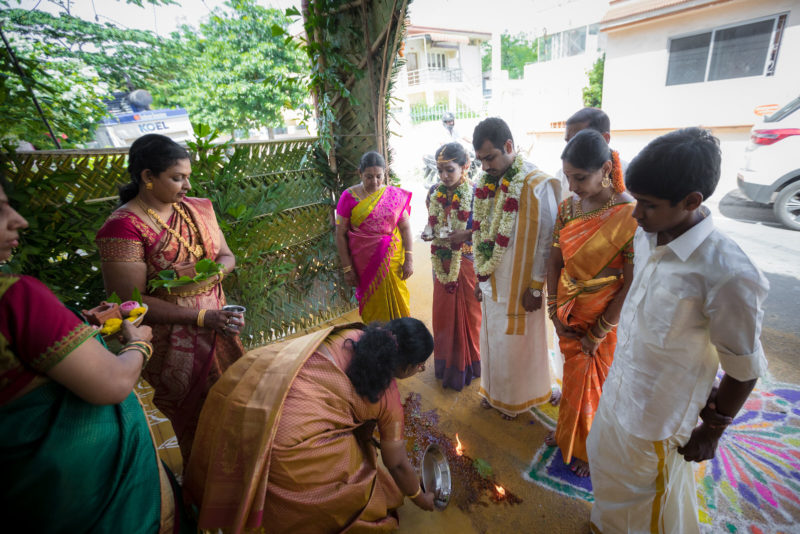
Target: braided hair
[(383, 350)]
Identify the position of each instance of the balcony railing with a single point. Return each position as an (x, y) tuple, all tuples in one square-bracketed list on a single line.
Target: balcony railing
[(422, 76)]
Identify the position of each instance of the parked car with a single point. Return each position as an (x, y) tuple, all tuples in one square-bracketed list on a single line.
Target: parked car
[(771, 171)]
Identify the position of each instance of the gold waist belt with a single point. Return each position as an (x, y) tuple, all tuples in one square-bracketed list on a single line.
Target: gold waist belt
[(574, 287)]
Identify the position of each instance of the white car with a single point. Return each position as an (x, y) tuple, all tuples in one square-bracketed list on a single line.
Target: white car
[(771, 172)]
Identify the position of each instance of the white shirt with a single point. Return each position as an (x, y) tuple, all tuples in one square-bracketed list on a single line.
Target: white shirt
[(548, 194), (694, 303)]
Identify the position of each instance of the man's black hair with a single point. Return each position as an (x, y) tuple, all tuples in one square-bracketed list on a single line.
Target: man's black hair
[(595, 119), (676, 164), (495, 130)]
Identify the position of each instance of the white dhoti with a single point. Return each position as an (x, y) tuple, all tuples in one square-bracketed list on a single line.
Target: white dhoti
[(515, 369), (639, 485)]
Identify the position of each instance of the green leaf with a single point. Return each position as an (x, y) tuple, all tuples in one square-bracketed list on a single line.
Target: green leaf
[(167, 274), (483, 467), (113, 297), (136, 295)]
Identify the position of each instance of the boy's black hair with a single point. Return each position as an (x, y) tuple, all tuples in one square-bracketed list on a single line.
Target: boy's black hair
[(495, 130), (588, 150), (676, 164), (595, 119)]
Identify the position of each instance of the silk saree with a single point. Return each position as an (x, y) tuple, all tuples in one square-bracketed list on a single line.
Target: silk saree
[(588, 246), (187, 360), (67, 465), (284, 444), (376, 249)]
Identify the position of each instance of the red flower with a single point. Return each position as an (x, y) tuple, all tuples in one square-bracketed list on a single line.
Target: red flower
[(463, 216), (476, 225), (456, 204), (432, 220), (501, 240), (481, 193), (504, 188), (442, 200), (511, 204), (483, 277)]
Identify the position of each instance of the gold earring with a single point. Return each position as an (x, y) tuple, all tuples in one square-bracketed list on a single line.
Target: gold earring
[(149, 186), (606, 182)]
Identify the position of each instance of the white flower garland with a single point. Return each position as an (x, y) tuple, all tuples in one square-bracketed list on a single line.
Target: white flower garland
[(493, 220), (461, 204)]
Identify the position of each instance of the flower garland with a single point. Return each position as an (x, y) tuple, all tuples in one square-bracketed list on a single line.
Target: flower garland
[(617, 178), (493, 220), (441, 249)]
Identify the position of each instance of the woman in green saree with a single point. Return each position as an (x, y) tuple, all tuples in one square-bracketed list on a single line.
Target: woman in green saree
[(76, 453)]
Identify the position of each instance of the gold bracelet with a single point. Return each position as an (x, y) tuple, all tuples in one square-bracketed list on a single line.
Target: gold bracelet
[(606, 324), (201, 315), (419, 490), (347, 269), (594, 339)]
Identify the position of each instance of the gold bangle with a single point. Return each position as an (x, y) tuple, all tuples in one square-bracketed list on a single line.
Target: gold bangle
[(347, 269), (606, 324), (419, 490), (201, 315), (594, 339)]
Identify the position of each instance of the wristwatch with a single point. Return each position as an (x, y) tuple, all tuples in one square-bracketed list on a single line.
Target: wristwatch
[(536, 293)]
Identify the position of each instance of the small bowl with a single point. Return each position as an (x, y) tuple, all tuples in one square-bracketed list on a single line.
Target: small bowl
[(436, 475), (137, 322)]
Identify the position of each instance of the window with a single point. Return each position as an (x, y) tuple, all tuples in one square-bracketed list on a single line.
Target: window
[(732, 52), (437, 61), (562, 44)]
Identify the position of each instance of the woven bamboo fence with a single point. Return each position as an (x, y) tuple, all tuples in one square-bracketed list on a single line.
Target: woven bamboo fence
[(274, 201)]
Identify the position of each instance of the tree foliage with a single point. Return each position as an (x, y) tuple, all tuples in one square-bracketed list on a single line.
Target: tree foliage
[(239, 71), (593, 93), (516, 51)]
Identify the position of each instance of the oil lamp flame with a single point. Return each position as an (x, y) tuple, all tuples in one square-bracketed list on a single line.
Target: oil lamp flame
[(500, 491), (459, 448)]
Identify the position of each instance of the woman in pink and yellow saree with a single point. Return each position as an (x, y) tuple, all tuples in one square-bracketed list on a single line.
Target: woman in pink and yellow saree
[(373, 237)]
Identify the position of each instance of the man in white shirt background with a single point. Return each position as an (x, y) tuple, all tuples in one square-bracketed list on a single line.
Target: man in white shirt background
[(695, 304)]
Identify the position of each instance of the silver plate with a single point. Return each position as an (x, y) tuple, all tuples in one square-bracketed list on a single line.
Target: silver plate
[(436, 475)]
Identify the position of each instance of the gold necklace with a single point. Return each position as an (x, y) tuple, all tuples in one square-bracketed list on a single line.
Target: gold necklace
[(594, 213), (196, 250)]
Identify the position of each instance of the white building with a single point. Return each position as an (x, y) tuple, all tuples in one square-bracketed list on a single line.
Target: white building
[(442, 70)]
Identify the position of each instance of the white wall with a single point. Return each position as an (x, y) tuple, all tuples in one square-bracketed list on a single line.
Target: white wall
[(635, 94)]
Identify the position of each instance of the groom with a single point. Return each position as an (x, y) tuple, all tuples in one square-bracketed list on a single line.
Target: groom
[(515, 208)]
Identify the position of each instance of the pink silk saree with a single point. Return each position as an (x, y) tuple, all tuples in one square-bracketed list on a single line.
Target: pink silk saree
[(187, 360), (377, 251)]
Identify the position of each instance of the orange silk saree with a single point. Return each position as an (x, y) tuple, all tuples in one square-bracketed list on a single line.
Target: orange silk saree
[(588, 246)]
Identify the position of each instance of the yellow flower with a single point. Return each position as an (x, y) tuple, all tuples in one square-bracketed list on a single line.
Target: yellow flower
[(455, 197), (491, 187), (111, 326), (132, 318), (136, 312)]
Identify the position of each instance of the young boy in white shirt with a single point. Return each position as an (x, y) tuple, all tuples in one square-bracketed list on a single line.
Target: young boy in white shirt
[(695, 304)]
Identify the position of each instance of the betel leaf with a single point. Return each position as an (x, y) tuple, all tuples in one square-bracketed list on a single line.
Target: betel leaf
[(136, 295), (206, 266), (113, 297), (483, 467), (167, 274)]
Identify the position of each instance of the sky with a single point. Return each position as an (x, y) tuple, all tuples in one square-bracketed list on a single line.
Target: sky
[(512, 15)]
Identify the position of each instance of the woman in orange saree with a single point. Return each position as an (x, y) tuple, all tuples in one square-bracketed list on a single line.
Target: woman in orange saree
[(158, 227), (285, 438), (373, 238), (589, 272)]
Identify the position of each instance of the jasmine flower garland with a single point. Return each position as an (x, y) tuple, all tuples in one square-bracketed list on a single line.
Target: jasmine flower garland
[(494, 218), (441, 249)]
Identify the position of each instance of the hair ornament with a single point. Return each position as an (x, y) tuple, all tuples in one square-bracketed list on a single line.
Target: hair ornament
[(441, 160), (617, 179)]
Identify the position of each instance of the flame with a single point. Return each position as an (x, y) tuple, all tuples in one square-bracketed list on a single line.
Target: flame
[(500, 491), (459, 448)]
